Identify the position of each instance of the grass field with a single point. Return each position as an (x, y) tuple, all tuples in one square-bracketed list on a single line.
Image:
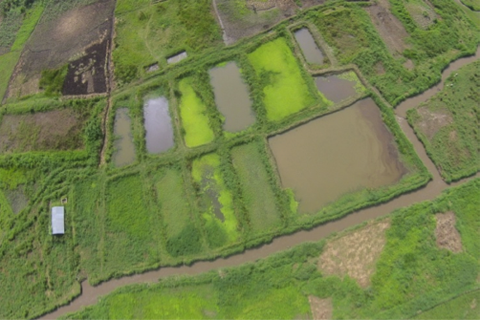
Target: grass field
[(411, 274), (150, 33), (285, 89), (216, 201), (472, 4), (447, 124), (257, 194), (194, 116)]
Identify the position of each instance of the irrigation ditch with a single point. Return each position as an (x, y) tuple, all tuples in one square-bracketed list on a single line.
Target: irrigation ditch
[(90, 294)]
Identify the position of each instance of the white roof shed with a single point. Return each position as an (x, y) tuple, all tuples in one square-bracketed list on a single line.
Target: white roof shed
[(58, 222)]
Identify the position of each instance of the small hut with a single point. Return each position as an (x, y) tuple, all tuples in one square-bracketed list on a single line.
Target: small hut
[(58, 221)]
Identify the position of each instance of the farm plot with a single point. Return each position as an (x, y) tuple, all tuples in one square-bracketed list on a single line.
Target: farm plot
[(193, 112), (257, 193), (149, 32), (447, 124), (216, 201), (286, 91), (52, 130), (58, 38)]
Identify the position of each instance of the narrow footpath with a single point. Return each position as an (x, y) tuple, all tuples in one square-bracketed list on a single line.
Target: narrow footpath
[(433, 189)]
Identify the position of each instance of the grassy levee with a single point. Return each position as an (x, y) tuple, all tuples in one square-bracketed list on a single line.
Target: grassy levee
[(430, 50), (285, 90), (149, 33), (472, 4), (410, 275), (465, 306), (447, 124)]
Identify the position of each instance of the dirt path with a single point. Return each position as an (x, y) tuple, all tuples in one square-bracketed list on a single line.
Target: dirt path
[(433, 189)]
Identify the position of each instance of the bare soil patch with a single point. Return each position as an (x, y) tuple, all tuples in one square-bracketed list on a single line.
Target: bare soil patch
[(356, 253), (389, 27), (56, 42), (409, 64), (52, 130), (311, 3), (321, 308), (446, 234), (431, 121), (246, 18), (422, 13), (87, 74)]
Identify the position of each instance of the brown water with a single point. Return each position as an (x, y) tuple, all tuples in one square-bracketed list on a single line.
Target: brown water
[(125, 150), (90, 295), (158, 125), (309, 48), (334, 88), (336, 154), (231, 97)]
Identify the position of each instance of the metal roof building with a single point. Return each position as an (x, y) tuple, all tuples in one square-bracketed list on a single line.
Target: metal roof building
[(58, 222)]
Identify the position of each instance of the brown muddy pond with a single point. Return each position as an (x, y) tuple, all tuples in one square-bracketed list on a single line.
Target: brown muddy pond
[(335, 88), (336, 154), (232, 97), (125, 149), (309, 48), (158, 125)]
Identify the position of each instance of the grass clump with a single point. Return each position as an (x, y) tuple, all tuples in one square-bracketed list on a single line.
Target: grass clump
[(193, 111), (52, 80), (448, 124), (285, 90)]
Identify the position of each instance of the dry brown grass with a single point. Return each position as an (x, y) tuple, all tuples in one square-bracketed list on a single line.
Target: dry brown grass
[(389, 27), (321, 308), (355, 253), (433, 121), (446, 234)]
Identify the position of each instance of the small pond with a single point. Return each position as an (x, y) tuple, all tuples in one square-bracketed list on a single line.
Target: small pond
[(158, 125), (335, 88), (339, 153), (125, 149), (232, 97), (309, 48)]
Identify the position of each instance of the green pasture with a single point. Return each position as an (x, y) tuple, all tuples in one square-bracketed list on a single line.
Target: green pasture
[(193, 111), (215, 197), (148, 33), (257, 194), (447, 124), (466, 306), (285, 89)]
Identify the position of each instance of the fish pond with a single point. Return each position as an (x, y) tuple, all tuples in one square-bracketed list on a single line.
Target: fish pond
[(309, 47), (339, 87), (232, 97), (125, 149), (336, 154), (158, 125)]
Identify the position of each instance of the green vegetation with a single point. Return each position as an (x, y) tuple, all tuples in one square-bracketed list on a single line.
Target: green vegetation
[(257, 194), (52, 80), (472, 4), (150, 33), (349, 30), (447, 124), (285, 89), (411, 274), (194, 116), (216, 204), (7, 65)]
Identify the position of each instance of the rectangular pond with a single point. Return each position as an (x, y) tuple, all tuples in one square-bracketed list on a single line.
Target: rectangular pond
[(158, 125), (338, 87), (336, 154), (232, 97), (124, 147), (309, 48)]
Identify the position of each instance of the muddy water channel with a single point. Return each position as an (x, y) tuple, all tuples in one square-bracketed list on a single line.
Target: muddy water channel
[(335, 88), (339, 153), (231, 97), (125, 150), (90, 295), (158, 125), (309, 48)]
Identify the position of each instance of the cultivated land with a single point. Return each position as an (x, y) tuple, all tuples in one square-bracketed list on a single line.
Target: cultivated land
[(220, 194)]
